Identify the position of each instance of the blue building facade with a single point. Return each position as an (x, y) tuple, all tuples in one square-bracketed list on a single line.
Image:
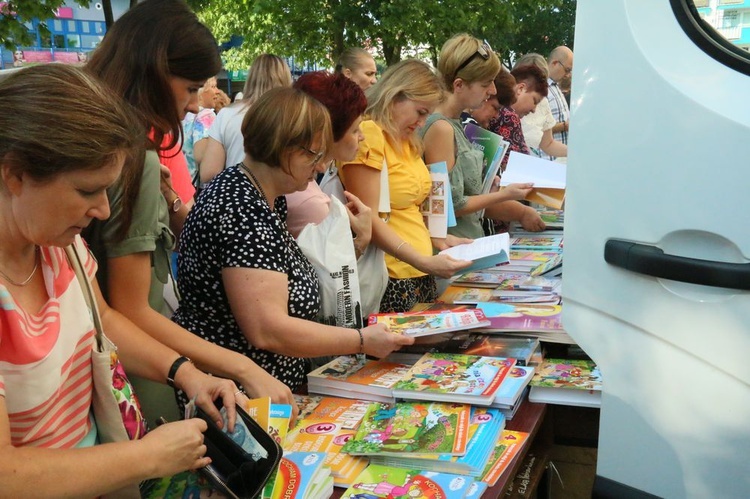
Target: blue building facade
[(73, 32)]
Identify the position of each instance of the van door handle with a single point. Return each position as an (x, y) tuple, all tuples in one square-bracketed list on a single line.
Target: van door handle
[(650, 260)]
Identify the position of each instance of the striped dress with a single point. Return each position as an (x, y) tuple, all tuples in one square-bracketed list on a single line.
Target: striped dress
[(45, 358)]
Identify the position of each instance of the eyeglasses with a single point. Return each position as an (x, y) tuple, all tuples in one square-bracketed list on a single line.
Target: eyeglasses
[(317, 156), (566, 68), (483, 51)]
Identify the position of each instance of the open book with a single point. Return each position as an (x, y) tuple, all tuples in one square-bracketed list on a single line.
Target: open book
[(485, 252), (548, 178)]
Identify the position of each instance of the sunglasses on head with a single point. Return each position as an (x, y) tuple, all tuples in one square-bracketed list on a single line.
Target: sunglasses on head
[(483, 51)]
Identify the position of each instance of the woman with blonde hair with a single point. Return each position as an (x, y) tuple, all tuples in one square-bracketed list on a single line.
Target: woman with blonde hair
[(359, 66), (468, 67), (225, 141), (244, 281), (397, 106)]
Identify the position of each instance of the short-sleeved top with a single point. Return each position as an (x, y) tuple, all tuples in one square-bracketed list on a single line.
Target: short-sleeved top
[(465, 177), (409, 183), (232, 226), (194, 129), (310, 206), (174, 159), (535, 124), (45, 358), (227, 129), (508, 126), (149, 231)]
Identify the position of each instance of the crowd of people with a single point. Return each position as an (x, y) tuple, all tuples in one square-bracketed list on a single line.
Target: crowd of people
[(152, 163)]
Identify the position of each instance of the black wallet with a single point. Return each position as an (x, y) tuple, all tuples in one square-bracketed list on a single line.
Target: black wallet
[(235, 471)]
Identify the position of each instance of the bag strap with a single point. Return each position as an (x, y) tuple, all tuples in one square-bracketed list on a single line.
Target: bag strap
[(88, 291)]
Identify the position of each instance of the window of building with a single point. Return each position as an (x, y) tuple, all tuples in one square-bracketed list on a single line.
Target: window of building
[(717, 31)]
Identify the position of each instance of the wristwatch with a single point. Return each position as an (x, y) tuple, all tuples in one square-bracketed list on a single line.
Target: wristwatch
[(175, 204), (176, 365)]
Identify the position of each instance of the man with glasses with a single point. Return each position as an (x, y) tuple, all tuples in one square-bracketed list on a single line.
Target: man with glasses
[(560, 64)]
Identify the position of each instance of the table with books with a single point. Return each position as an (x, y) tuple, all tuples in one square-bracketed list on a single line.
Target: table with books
[(457, 411)]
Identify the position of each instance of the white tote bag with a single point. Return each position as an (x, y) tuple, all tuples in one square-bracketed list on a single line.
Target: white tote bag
[(329, 247), (372, 271)]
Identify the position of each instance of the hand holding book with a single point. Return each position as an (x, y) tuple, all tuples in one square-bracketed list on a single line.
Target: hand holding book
[(379, 341)]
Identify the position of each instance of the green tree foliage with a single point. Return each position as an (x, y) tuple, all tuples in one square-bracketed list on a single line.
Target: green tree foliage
[(318, 30)]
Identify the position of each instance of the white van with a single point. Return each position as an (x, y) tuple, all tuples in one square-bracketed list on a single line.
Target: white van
[(657, 245)]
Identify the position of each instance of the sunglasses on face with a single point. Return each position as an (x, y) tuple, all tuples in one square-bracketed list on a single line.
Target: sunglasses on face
[(483, 51)]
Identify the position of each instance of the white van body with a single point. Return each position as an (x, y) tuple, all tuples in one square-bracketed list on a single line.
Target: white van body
[(658, 156)]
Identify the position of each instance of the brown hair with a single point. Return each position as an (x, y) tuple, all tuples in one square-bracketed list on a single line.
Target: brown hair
[(533, 77), (74, 123), (505, 84), (281, 119), (150, 43)]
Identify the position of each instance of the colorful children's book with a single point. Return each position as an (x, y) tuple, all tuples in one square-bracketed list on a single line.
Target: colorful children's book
[(512, 386), (521, 282), (567, 382), (358, 376), (537, 242), (527, 317), (388, 482), (278, 421), (484, 430), (326, 428), (476, 490), (507, 447), (485, 252), (494, 149), (437, 208), (454, 377), (407, 427), (520, 349), (422, 324), (459, 295), (260, 410), (302, 475)]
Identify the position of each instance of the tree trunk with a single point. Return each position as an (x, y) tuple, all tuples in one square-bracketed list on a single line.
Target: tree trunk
[(392, 53)]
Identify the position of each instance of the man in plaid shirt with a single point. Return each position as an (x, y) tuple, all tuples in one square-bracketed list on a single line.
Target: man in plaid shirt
[(560, 64)]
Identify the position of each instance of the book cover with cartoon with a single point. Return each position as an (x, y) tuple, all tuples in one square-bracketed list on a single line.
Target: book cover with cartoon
[(506, 448), (422, 324), (385, 482), (358, 374), (456, 377), (572, 374), (406, 427)]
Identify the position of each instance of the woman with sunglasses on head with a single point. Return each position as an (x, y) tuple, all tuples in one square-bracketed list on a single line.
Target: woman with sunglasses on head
[(156, 56), (53, 183), (244, 281), (468, 68), (396, 107)]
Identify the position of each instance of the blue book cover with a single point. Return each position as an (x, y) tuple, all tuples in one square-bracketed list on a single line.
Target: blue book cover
[(512, 386)]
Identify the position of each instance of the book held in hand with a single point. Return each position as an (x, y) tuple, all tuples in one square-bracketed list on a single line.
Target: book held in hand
[(454, 377), (485, 252), (427, 323)]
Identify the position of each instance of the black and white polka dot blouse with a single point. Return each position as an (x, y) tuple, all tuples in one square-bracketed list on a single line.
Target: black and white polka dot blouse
[(231, 225)]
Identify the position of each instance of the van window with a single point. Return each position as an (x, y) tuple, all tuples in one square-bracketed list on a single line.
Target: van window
[(721, 28)]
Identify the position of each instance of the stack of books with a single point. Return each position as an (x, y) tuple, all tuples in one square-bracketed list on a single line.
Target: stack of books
[(391, 482), (355, 377), (324, 425), (506, 448), (511, 394), (567, 382), (454, 377), (303, 475)]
